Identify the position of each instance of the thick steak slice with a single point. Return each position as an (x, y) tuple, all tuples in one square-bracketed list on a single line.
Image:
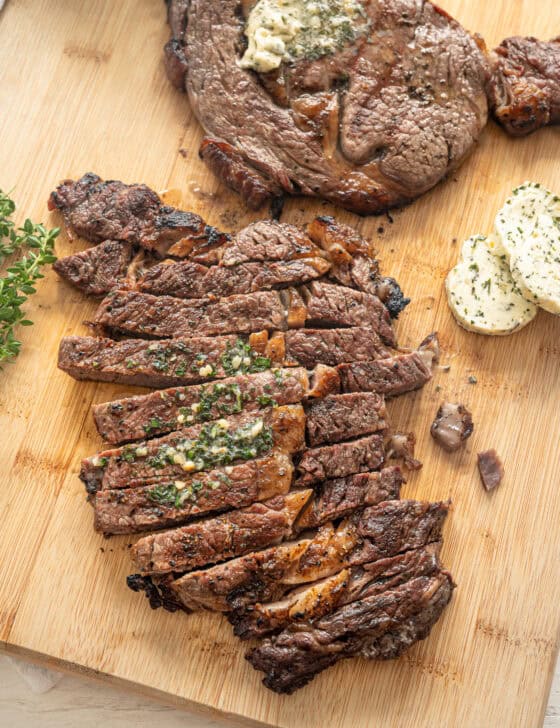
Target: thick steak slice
[(334, 346), (98, 270), (97, 211), (372, 126), (194, 449), (332, 305), (128, 510), (337, 461), (298, 654), (338, 498), (524, 90), (267, 575), (140, 314), (170, 409), (186, 279), (304, 606), (222, 537), (170, 362), (165, 363), (344, 417), (268, 240), (390, 377)]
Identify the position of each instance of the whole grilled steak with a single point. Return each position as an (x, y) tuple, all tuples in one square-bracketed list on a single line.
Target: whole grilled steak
[(372, 126), (524, 91)]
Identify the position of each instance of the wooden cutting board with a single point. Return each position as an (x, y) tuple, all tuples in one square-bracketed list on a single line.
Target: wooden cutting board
[(83, 88)]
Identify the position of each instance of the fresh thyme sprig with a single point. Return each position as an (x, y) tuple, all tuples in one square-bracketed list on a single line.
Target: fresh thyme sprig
[(19, 282)]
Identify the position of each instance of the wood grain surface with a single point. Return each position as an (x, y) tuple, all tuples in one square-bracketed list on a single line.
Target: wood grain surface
[(83, 89)]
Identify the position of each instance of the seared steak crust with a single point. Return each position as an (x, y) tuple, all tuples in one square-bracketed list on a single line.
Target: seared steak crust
[(334, 346), (128, 510), (344, 417), (371, 127), (111, 210), (219, 538), (524, 90), (98, 270), (391, 377), (343, 458), (403, 614)]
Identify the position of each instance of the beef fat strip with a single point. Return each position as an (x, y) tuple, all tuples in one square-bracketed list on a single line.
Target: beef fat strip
[(222, 537), (323, 304), (111, 210), (189, 360), (378, 532), (180, 499), (156, 413), (307, 604), (193, 449), (380, 626), (168, 362)]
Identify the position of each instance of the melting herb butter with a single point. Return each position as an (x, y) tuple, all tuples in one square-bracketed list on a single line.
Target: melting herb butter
[(287, 30)]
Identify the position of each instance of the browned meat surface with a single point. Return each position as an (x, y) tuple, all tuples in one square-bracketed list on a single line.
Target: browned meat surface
[(491, 469), (222, 537), (332, 305), (390, 377), (524, 90), (404, 613), (343, 458), (140, 314), (344, 417), (334, 346), (379, 532), (354, 263), (201, 447), (98, 270), (373, 126), (307, 604), (186, 279), (183, 360), (268, 240), (144, 508), (452, 426), (338, 498), (170, 409), (111, 210)]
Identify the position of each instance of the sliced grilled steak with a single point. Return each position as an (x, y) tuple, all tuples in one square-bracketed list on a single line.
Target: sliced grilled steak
[(112, 210), (305, 605), (372, 126), (379, 532), (268, 240), (390, 377), (197, 448), (299, 653), (524, 90), (128, 510), (140, 314), (354, 263), (98, 270), (334, 346), (332, 305), (164, 363), (338, 498), (170, 409), (220, 538), (186, 279), (341, 459), (344, 416)]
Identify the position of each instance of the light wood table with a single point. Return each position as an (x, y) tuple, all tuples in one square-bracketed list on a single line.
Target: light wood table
[(78, 701)]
